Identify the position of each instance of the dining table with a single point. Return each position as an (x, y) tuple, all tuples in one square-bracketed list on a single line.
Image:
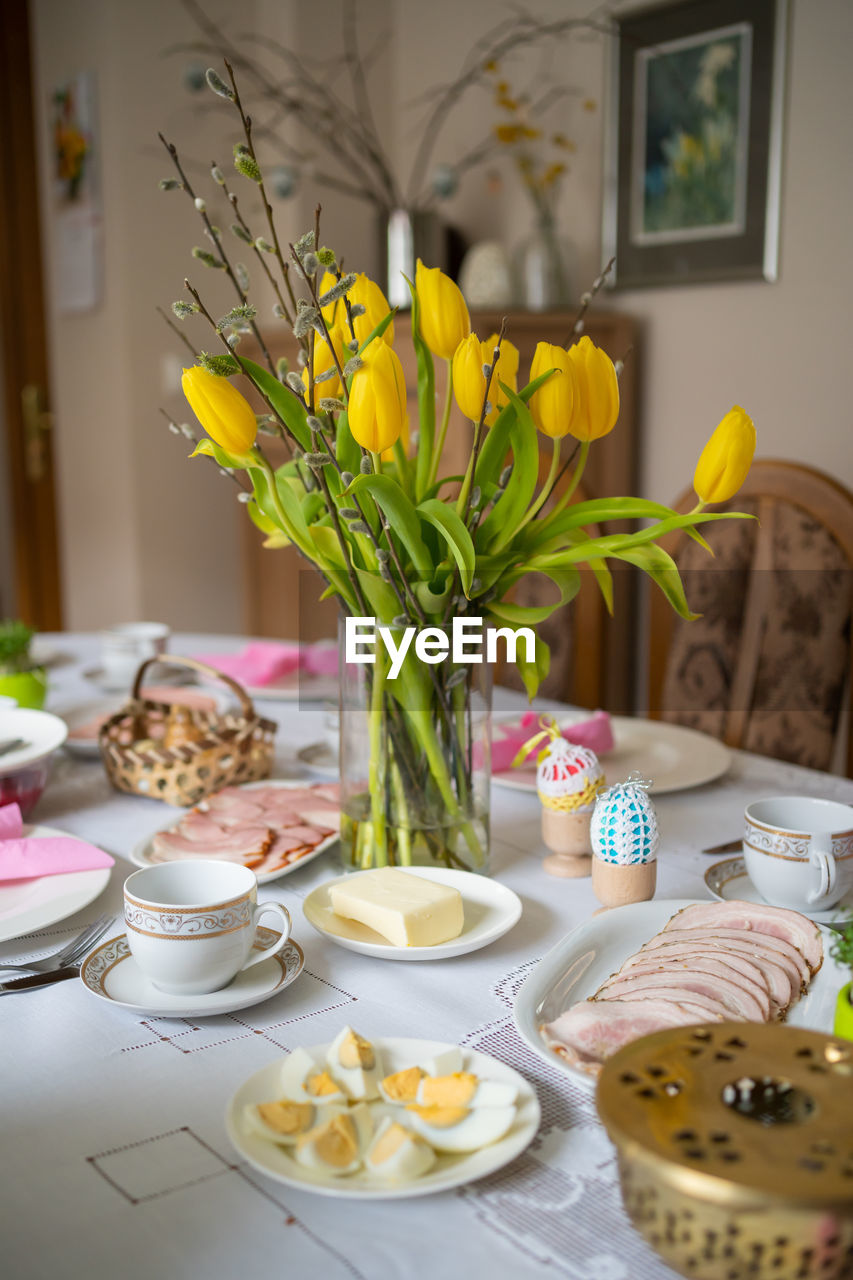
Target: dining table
[(116, 1160)]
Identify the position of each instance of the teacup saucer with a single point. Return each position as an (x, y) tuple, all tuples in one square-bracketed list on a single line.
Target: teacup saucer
[(111, 972), (729, 879)]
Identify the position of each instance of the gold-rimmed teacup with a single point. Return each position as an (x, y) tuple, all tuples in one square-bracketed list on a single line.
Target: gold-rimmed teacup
[(191, 926), (798, 851)]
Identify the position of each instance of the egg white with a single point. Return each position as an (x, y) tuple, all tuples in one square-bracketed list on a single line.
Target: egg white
[(412, 1158), (297, 1071), (255, 1123), (359, 1083), (474, 1129)]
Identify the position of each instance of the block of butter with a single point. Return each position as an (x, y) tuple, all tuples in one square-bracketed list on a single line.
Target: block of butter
[(407, 909)]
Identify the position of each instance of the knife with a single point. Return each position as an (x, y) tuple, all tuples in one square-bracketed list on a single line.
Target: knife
[(730, 846), (39, 979)]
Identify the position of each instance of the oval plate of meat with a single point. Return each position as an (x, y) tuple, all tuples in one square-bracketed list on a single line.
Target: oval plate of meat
[(640, 968), (271, 827)]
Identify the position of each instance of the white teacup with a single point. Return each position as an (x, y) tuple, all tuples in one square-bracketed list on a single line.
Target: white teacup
[(125, 647), (798, 851), (191, 925)]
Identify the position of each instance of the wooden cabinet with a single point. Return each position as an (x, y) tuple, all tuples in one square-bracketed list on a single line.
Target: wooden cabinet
[(593, 654)]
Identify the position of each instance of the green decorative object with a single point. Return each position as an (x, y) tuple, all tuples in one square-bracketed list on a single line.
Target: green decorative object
[(19, 677), (843, 1025)]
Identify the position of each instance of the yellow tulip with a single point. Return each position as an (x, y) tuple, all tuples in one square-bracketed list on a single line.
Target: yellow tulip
[(444, 318), (506, 373), (225, 414), (554, 403), (366, 293), (377, 402), (469, 381), (323, 360), (597, 405), (725, 461)]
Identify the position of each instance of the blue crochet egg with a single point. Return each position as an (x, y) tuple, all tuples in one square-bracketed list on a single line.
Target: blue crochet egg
[(624, 828)]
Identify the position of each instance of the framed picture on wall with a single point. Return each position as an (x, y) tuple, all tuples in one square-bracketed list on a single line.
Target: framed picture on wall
[(693, 166)]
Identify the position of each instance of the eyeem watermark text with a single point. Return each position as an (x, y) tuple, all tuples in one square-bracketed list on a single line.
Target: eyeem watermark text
[(433, 644)]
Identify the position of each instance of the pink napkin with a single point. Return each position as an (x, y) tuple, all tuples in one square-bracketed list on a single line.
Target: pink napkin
[(23, 859), (258, 664), (265, 661), (595, 733)]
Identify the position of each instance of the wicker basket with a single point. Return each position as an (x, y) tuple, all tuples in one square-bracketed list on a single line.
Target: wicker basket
[(180, 754)]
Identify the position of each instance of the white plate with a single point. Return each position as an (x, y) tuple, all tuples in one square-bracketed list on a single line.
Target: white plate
[(397, 1054), (42, 733), (82, 713), (141, 854), (490, 909), (728, 881), (577, 966), (673, 756), (111, 973), (321, 758), (27, 905)]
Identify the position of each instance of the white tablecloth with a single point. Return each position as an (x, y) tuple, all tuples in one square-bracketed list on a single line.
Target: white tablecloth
[(114, 1153)]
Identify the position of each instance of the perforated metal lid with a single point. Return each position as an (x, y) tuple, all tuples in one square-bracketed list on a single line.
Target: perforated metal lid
[(735, 1105)]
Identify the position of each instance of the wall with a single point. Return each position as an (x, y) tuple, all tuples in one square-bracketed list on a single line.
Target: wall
[(145, 533)]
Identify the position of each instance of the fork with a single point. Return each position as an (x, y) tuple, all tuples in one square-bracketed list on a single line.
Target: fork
[(69, 954)]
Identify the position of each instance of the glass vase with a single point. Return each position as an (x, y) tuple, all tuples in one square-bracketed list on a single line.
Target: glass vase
[(545, 270), (415, 760)]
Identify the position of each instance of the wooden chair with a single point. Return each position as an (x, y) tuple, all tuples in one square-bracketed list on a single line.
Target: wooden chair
[(767, 666)]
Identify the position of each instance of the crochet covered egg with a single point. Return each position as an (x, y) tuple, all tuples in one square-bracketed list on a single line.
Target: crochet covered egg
[(624, 828), (568, 777)]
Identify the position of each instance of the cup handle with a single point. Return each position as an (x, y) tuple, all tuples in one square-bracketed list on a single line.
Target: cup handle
[(821, 857), (263, 909)]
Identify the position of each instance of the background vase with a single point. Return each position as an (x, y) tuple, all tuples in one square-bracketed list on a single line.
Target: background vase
[(408, 234), (545, 270), (415, 763)]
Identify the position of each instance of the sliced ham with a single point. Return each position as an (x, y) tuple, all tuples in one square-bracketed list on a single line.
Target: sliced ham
[(777, 922), (245, 844), (591, 1031), (745, 966), (750, 995), (719, 991), (761, 943)]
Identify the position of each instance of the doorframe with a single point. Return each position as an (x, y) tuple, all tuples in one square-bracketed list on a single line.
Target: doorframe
[(30, 479)]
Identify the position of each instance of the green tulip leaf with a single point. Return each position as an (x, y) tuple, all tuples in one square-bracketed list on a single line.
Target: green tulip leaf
[(401, 514), (496, 445), (496, 530), (533, 673), (347, 452), (454, 533), (208, 448), (288, 407)]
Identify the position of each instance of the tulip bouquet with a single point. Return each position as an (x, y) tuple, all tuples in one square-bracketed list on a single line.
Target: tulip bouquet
[(366, 500)]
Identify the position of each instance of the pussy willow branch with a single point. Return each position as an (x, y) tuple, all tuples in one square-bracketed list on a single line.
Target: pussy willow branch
[(176, 329), (262, 257), (246, 121), (586, 299), (217, 242)]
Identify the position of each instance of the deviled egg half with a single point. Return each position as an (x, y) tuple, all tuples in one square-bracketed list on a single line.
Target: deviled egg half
[(356, 1064), (304, 1080), (396, 1154), (337, 1146)]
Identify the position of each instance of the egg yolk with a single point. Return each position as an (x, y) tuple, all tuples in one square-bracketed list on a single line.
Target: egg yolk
[(456, 1090), (286, 1117), (439, 1117), (321, 1084), (390, 1143), (403, 1085), (355, 1051), (335, 1142)]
